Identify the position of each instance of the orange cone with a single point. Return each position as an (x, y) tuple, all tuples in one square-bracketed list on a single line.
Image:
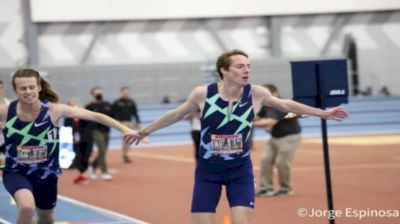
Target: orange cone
[(226, 220)]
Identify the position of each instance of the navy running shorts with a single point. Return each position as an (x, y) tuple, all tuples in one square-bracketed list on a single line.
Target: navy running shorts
[(44, 190), (239, 184)]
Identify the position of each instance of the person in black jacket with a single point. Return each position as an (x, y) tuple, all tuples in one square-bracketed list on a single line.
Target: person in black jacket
[(195, 132), (279, 150), (100, 133), (82, 143), (123, 109)]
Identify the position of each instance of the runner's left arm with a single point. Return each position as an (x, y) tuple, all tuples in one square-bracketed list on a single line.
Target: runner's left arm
[(62, 110), (335, 113), (189, 106)]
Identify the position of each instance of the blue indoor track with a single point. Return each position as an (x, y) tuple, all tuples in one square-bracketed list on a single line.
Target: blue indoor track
[(69, 211)]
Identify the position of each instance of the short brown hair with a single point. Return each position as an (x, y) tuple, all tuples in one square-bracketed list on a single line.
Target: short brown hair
[(271, 87), (123, 88), (224, 60), (93, 89)]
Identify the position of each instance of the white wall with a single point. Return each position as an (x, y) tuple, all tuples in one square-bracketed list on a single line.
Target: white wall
[(12, 45), (190, 41), (105, 10)]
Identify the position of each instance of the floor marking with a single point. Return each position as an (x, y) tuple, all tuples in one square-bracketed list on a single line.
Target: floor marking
[(358, 140), (343, 167), (296, 168), (97, 222), (164, 157), (317, 152), (12, 201), (226, 220), (109, 213), (3, 221)]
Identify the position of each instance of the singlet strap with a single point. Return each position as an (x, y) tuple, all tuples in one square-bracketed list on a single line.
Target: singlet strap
[(43, 114), (12, 110), (246, 90), (212, 89)]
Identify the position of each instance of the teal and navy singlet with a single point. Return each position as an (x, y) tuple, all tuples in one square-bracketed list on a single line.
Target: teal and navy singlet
[(226, 136), (224, 152), (32, 147)]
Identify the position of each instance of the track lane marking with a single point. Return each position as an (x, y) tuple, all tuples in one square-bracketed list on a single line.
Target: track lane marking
[(255, 167)]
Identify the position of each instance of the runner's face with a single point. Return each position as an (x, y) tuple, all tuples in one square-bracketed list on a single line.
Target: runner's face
[(27, 89), (239, 70)]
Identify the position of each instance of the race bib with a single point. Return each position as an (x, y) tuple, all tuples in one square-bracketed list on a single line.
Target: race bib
[(28, 154), (226, 144)]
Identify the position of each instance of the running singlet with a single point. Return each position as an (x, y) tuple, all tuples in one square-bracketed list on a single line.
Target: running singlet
[(226, 135), (31, 146)]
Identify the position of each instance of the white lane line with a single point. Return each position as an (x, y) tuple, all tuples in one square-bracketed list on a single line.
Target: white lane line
[(3, 221), (102, 210)]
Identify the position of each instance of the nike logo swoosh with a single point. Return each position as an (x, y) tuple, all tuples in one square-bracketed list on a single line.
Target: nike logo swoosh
[(39, 124), (242, 104)]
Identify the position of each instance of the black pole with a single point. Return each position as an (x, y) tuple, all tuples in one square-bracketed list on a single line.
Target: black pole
[(327, 167)]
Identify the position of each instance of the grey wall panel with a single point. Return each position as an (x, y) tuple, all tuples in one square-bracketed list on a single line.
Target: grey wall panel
[(148, 47), (149, 83)]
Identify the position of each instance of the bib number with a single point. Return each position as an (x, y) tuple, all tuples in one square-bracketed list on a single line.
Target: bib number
[(31, 154), (226, 144)]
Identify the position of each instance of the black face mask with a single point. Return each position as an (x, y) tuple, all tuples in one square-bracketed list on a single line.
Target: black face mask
[(99, 97)]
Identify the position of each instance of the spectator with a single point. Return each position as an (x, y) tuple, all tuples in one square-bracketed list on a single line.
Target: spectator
[(368, 91), (385, 91), (166, 100), (279, 150), (194, 120), (100, 134), (123, 109), (83, 144)]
